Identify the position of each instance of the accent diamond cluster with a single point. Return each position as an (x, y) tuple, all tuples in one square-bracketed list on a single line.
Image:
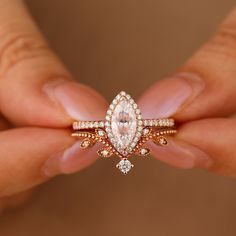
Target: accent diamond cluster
[(123, 132)]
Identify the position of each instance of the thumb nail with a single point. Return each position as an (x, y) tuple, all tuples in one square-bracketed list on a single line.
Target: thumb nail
[(79, 101)]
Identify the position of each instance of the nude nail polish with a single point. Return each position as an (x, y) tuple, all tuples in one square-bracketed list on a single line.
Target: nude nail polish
[(70, 160), (79, 101), (169, 96), (180, 154)]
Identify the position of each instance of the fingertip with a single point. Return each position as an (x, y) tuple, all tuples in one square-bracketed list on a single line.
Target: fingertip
[(170, 96), (181, 154), (79, 101), (70, 160)]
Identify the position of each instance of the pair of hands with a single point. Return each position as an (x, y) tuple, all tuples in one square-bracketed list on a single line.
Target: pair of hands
[(39, 100)]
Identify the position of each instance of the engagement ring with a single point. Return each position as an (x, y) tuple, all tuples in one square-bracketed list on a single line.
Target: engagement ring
[(123, 132)]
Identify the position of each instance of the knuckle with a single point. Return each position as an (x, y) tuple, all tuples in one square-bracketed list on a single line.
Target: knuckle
[(18, 47), (223, 43)]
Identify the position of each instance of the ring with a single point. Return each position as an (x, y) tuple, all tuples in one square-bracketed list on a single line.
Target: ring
[(123, 132)]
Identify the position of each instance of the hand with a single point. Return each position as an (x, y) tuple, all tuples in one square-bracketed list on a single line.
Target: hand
[(38, 101), (201, 92)]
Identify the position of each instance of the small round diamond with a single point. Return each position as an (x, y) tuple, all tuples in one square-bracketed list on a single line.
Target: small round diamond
[(140, 128), (144, 151), (109, 112), (115, 101), (136, 139), (118, 96), (124, 166), (108, 117), (133, 144), (108, 129), (104, 152), (140, 122), (131, 101), (107, 124), (101, 133), (85, 143), (162, 141), (101, 124), (137, 111), (129, 149), (113, 140), (146, 131)]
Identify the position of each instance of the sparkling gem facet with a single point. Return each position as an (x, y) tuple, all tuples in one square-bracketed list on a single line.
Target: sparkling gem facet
[(104, 152), (146, 131), (124, 166), (144, 151), (101, 133), (85, 143), (162, 141)]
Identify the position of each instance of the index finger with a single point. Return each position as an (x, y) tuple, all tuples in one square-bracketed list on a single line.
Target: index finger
[(204, 86), (35, 87)]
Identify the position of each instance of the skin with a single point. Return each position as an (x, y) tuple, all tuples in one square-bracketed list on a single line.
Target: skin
[(35, 140)]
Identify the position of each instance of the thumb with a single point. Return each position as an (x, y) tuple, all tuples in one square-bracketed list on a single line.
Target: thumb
[(35, 88), (204, 86)]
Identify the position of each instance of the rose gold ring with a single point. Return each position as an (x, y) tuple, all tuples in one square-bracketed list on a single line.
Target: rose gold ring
[(123, 132)]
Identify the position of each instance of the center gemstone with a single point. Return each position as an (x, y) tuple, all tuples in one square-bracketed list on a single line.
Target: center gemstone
[(123, 123)]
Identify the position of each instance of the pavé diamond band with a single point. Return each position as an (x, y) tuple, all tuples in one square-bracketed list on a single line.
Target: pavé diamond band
[(123, 132), (79, 125)]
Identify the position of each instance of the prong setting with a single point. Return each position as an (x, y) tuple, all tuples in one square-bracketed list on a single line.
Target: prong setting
[(124, 116)]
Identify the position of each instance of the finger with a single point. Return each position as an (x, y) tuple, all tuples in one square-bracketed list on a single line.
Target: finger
[(208, 144), (204, 86), (15, 201), (35, 88), (216, 139), (30, 156), (4, 124)]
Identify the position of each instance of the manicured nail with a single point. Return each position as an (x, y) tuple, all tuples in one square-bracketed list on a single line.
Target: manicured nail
[(171, 95), (79, 101), (180, 154), (164, 99), (70, 160)]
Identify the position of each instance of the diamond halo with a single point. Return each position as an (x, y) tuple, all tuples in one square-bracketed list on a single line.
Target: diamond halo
[(124, 124)]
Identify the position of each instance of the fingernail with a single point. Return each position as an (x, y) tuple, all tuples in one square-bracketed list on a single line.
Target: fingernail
[(170, 95), (180, 154), (79, 101), (70, 160)]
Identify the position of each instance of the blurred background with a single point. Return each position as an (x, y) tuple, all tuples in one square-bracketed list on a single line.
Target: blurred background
[(127, 45)]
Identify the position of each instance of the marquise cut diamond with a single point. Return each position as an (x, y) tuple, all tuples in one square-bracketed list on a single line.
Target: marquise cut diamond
[(124, 121)]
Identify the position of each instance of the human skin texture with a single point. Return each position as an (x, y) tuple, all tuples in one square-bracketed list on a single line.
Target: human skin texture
[(39, 99)]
